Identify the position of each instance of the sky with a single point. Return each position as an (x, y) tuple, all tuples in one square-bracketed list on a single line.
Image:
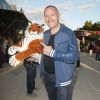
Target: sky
[(73, 13)]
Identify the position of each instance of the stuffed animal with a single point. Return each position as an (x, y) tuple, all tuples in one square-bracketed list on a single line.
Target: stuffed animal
[(30, 45)]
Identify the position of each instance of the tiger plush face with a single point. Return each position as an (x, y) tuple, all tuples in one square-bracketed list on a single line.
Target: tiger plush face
[(35, 28)]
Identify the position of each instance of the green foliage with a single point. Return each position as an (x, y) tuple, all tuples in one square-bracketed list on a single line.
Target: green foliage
[(88, 25), (96, 26)]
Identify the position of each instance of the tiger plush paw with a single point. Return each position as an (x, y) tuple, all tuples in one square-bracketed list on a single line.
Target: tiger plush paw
[(12, 50), (13, 61)]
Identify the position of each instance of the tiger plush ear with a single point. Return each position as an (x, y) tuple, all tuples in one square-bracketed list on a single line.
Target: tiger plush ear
[(34, 27)]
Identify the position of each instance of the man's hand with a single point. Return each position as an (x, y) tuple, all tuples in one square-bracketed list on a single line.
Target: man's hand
[(46, 49), (30, 59)]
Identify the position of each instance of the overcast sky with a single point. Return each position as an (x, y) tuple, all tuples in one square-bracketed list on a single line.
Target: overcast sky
[(73, 12)]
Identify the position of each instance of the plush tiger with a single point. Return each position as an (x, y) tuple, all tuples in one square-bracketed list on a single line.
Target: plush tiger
[(30, 46)]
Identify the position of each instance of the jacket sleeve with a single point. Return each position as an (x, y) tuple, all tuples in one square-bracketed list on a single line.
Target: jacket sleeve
[(69, 56)]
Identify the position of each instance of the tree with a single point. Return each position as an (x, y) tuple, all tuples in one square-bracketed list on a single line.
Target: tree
[(96, 26), (88, 25)]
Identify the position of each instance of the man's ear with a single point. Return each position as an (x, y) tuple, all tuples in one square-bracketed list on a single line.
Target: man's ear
[(59, 15)]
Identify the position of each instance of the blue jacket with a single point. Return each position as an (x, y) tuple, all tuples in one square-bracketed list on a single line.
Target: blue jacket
[(65, 54)]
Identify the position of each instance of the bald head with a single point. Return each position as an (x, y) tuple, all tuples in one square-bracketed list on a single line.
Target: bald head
[(50, 6)]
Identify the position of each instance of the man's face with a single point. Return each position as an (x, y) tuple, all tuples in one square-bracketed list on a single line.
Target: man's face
[(51, 17)]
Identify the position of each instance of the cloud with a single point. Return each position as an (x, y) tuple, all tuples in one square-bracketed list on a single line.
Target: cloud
[(34, 14), (90, 1), (63, 7), (87, 6), (33, 10)]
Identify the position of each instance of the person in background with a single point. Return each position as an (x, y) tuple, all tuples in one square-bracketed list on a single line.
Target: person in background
[(78, 62), (97, 49), (1, 52), (1, 56), (5, 48), (97, 53), (59, 58), (91, 48), (31, 66)]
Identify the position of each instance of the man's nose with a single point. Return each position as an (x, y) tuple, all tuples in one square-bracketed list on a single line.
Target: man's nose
[(49, 18)]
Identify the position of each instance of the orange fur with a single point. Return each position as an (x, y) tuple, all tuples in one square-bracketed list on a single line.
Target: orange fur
[(34, 47)]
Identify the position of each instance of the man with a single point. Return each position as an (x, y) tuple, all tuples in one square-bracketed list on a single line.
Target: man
[(60, 54)]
